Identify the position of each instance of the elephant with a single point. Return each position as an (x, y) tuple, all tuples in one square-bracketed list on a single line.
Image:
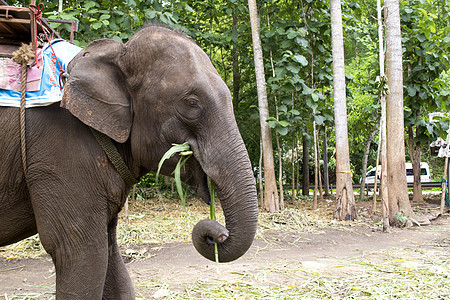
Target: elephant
[(157, 89)]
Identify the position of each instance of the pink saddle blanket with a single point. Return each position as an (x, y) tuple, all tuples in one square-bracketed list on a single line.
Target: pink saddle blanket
[(10, 75)]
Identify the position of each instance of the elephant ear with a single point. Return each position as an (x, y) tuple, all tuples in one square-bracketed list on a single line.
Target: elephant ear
[(96, 93)]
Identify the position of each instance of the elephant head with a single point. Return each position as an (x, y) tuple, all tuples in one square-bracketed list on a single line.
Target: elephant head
[(158, 89)]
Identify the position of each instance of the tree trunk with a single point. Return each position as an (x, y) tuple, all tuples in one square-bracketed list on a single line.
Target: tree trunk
[(297, 171), (271, 203), (444, 181), (414, 153), (280, 169), (260, 176), (376, 186), (396, 172), (293, 160), (364, 163), (326, 178), (305, 166), (384, 186), (316, 168), (277, 136), (345, 202), (385, 204)]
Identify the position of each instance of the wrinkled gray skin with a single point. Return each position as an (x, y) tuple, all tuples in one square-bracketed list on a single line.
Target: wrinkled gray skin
[(157, 89)]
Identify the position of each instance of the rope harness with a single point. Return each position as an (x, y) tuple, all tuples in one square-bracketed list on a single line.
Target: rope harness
[(37, 12), (22, 56), (23, 141), (114, 157)]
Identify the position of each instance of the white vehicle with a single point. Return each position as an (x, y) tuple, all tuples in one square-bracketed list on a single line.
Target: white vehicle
[(425, 175)]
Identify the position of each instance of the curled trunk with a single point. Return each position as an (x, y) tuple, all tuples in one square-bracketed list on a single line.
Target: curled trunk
[(231, 173)]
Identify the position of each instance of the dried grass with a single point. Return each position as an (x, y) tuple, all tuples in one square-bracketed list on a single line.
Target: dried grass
[(395, 278), (425, 274), (160, 221), (27, 248)]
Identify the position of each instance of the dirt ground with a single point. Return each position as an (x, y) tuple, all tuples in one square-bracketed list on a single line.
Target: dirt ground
[(279, 260)]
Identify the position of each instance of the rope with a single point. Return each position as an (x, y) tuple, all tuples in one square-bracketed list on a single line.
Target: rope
[(37, 11), (22, 56), (114, 157), (23, 60), (23, 142)]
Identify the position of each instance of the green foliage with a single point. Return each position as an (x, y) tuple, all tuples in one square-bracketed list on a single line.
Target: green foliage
[(296, 41), (212, 214), (113, 19), (425, 38), (297, 44), (184, 150), (362, 69)]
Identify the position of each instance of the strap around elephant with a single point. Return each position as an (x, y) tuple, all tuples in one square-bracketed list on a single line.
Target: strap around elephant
[(114, 157)]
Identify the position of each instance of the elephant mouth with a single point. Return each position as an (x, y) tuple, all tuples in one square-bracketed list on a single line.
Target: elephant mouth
[(197, 179)]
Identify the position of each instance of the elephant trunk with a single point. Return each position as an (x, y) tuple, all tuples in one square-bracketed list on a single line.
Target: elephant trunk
[(231, 172)]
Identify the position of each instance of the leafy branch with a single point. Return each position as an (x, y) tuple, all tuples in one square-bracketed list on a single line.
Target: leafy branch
[(184, 150)]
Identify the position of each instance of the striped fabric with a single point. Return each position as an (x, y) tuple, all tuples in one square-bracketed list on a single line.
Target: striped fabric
[(43, 82)]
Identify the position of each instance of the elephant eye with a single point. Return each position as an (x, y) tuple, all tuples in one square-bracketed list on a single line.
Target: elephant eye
[(190, 108), (192, 102)]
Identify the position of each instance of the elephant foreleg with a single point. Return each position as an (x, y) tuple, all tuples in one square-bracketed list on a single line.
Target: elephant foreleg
[(80, 257), (118, 284), (76, 238), (79, 276)]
